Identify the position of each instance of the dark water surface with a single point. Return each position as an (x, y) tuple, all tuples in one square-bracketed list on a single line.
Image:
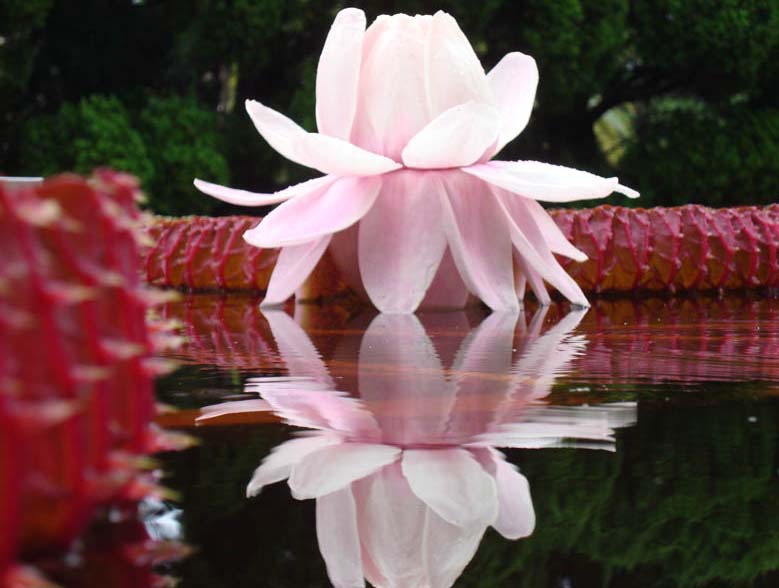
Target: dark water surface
[(646, 436)]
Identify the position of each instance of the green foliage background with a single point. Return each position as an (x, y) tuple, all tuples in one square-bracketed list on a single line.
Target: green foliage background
[(680, 98)]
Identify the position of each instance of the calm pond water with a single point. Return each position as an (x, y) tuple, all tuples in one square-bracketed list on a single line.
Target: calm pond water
[(646, 437)]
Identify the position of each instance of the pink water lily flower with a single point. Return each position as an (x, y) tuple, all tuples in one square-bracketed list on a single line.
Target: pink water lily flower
[(412, 206)]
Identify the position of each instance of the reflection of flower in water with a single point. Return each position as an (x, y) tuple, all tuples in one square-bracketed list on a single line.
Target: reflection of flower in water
[(407, 479)]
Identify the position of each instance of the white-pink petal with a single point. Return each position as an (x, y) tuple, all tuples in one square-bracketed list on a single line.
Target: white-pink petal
[(317, 214), (479, 239), (293, 266), (392, 98), (526, 275), (338, 74), (401, 242), (552, 233), (513, 82), (530, 243), (333, 468), (454, 74), (339, 538), (245, 198), (323, 152), (452, 484), (457, 137), (278, 465), (547, 182)]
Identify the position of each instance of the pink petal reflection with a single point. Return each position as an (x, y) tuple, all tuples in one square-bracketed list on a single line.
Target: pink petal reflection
[(278, 465), (389, 522), (453, 484), (235, 407), (401, 380), (516, 517), (407, 478), (339, 538), (336, 466)]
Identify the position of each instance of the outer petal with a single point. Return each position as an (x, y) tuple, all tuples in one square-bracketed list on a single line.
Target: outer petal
[(314, 215), (278, 465), (524, 271), (457, 137), (244, 198), (338, 74), (513, 82), (544, 181), (454, 74), (530, 242), (401, 242), (479, 240), (322, 152), (293, 266), (339, 538), (452, 484), (333, 468), (552, 233)]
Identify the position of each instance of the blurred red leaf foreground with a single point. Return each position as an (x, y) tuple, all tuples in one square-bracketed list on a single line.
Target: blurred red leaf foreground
[(76, 375)]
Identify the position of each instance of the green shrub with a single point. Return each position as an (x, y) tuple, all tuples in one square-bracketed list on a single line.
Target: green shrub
[(183, 140), (712, 47), (80, 137), (687, 152), (172, 141)]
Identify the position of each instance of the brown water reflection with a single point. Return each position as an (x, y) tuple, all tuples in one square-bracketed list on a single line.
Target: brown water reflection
[(685, 341)]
